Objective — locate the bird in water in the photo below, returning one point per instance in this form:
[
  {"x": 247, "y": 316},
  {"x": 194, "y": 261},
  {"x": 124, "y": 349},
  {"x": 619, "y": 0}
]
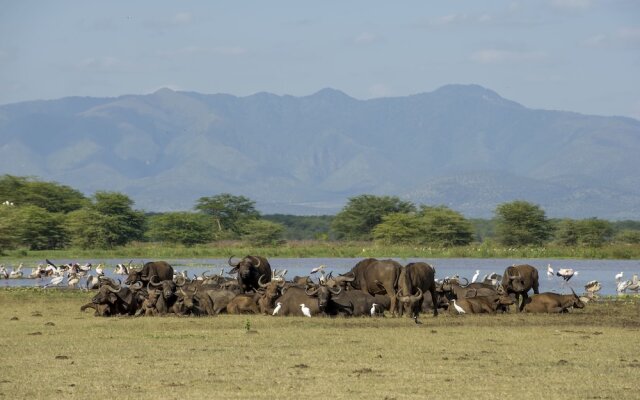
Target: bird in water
[
  {"x": 566, "y": 273},
  {"x": 619, "y": 276},
  {"x": 549, "y": 271},
  {"x": 305, "y": 310},
  {"x": 459, "y": 309},
  {"x": 277, "y": 309}
]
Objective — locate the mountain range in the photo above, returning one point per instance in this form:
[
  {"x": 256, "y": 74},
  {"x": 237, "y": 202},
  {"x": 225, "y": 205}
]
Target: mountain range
[{"x": 462, "y": 146}]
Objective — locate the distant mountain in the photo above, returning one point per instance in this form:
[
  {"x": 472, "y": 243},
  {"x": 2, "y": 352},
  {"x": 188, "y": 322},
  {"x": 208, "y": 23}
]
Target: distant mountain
[{"x": 461, "y": 145}]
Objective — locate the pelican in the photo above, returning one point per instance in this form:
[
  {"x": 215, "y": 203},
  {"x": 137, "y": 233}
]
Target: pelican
[
  {"x": 619, "y": 276},
  {"x": 566, "y": 273},
  {"x": 16, "y": 273},
  {"x": 55, "y": 281},
  {"x": 100, "y": 269},
  {"x": 459, "y": 309},
  {"x": 322, "y": 278},
  {"x": 305, "y": 310},
  {"x": 373, "y": 309},
  {"x": 73, "y": 280},
  {"x": 277, "y": 309},
  {"x": 592, "y": 287},
  {"x": 549, "y": 271},
  {"x": 475, "y": 276},
  {"x": 3, "y": 272},
  {"x": 93, "y": 282},
  {"x": 622, "y": 286}
]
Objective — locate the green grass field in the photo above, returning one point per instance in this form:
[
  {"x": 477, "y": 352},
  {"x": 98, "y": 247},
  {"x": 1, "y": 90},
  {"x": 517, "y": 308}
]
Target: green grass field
[{"x": 52, "y": 350}]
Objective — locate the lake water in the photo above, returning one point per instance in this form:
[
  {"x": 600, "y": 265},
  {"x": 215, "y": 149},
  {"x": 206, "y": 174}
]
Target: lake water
[{"x": 602, "y": 270}]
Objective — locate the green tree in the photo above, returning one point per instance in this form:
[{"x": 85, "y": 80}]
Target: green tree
[
  {"x": 594, "y": 232},
  {"x": 229, "y": 212},
  {"x": 260, "y": 232},
  {"x": 397, "y": 228},
  {"x": 50, "y": 196},
  {"x": 87, "y": 229},
  {"x": 8, "y": 235},
  {"x": 520, "y": 223},
  {"x": 629, "y": 236},
  {"x": 566, "y": 232},
  {"x": 444, "y": 226},
  {"x": 362, "y": 213},
  {"x": 180, "y": 227},
  {"x": 38, "y": 229}
]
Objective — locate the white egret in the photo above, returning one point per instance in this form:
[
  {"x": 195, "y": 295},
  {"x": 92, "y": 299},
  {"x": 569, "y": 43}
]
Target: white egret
[
  {"x": 475, "y": 276},
  {"x": 277, "y": 309},
  {"x": 549, "y": 271},
  {"x": 619, "y": 276},
  {"x": 459, "y": 309},
  {"x": 373, "y": 309},
  {"x": 305, "y": 310}
]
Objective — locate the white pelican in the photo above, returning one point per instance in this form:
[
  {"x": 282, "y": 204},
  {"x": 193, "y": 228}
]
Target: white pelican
[
  {"x": 55, "y": 281},
  {"x": 305, "y": 310},
  {"x": 100, "y": 269},
  {"x": 566, "y": 273}
]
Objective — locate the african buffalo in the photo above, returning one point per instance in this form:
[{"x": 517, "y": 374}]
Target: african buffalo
[
  {"x": 243, "y": 304},
  {"x": 269, "y": 292},
  {"x": 377, "y": 277},
  {"x": 416, "y": 277},
  {"x": 352, "y": 303},
  {"x": 315, "y": 297},
  {"x": 120, "y": 300},
  {"x": 553, "y": 302},
  {"x": 220, "y": 298},
  {"x": 519, "y": 279},
  {"x": 161, "y": 269},
  {"x": 249, "y": 270}
]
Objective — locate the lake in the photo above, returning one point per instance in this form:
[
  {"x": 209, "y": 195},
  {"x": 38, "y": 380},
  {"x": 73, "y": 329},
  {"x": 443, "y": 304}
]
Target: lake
[{"x": 602, "y": 270}]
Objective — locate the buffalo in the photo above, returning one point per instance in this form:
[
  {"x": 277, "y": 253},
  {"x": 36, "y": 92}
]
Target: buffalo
[
  {"x": 414, "y": 278},
  {"x": 377, "y": 277},
  {"x": 249, "y": 270},
  {"x": 553, "y": 303},
  {"x": 160, "y": 269},
  {"x": 519, "y": 279}
]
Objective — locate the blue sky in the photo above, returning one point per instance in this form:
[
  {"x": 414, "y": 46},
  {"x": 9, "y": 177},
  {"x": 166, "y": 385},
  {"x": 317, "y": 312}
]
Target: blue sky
[{"x": 574, "y": 55}]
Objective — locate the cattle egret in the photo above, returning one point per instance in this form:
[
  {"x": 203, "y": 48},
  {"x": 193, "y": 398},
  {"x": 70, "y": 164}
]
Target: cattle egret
[
  {"x": 277, "y": 309},
  {"x": 305, "y": 310},
  {"x": 566, "y": 273},
  {"x": 475, "y": 276},
  {"x": 619, "y": 276},
  {"x": 373, "y": 309},
  {"x": 459, "y": 309},
  {"x": 549, "y": 271}
]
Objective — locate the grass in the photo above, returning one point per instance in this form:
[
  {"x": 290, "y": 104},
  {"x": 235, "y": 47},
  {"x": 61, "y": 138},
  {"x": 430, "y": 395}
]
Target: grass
[
  {"x": 306, "y": 249},
  {"x": 52, "y": 350}
]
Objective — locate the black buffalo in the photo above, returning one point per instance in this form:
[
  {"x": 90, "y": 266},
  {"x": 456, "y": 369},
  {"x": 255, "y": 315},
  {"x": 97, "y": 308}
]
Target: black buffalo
[
  {"x": 377, "y": 277},
  {"x": 161, "y": 269},
  {"x": 414, "y": 278},
  {"x": 519, "y": 279},
  {"x": 249, "y": 270}
]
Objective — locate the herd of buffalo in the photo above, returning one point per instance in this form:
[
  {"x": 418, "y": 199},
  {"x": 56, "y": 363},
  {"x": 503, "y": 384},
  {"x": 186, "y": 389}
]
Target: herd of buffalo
[{"x": 369, "y": 289}]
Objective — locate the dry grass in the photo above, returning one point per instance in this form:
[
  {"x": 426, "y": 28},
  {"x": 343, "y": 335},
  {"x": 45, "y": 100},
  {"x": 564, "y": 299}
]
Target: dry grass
[{"x": 52, "y": 350}]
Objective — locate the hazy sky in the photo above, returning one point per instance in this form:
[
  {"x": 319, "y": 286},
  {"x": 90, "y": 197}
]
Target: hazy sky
[{"x": 575, "y": 55}]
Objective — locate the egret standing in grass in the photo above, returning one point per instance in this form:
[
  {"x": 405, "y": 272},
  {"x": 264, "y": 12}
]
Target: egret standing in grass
[
  {"x": 373, "y": 310},
  {"x": 305, "y": 310},
  {"x": 475, "y": 276},
  {"x": 277, "y": 309},
  {"x": 459, "y": 309}
]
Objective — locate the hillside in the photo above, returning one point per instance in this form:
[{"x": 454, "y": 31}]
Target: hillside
[{"x": 461, "y": 145}]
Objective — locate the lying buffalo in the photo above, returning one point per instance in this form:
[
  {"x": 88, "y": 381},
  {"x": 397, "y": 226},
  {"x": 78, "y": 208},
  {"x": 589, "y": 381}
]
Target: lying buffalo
[
  {"x": 160, "y": 269},
  {"x": 519, "y": 279},
  {"x": 249, "y": 270},
  {"x": 553, "y": 303}
]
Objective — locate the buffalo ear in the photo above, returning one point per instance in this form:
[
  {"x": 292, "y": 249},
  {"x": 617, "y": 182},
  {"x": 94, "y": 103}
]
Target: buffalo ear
[{"x": 233, "y": 271}]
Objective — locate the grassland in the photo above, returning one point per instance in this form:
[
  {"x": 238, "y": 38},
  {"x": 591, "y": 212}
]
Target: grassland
[
  {"x": 52, "y": 350},
  {"x": 305, "y": 249}
]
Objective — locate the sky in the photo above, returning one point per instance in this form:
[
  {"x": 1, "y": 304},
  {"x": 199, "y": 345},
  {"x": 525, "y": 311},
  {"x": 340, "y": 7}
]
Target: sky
[{"x": 570, "y": 55}]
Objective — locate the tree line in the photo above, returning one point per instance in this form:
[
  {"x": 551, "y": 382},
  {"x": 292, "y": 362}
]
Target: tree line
[{"x": 46, "y": 215}]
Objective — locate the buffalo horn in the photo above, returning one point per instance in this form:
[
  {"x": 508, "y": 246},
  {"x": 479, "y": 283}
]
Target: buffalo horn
[
  {"x": 232, "y": 264},
  {"x": 256, "y": 262},
  {"x": 153, "y": 283},
  {"x": 466, "y": 280},
  {"x": 335, "y": 290},
  {"x": 180, "y": 281},
  {"x": 311, "y": 293},
  {"x": 260, "y": 281},
  {"x": 136, "y": 286}
]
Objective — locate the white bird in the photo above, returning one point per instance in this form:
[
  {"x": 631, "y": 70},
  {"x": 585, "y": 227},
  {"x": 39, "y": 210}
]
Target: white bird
[
  {"x": 318, "y": 269},
  {"x": 475, "y": 276},
  {"x": 373, "y": 309},
  {"x": 100, "y": 269},
  {"x": 277, "y": 309},
  {"x": 16, "y": 273},
  {"x": 622, "y": 286},
  {"x": 459, "y": 309},
  {"x": 3, "y": 272},
  {"x": 566, "y": 273},
  {"x": 305, "y": 310},
  {"x": 549, "y": 271},
  {"x": 619, "y": 276},
  {"x": 73, "y": 280},
  {"x": 55, "y": 281}
]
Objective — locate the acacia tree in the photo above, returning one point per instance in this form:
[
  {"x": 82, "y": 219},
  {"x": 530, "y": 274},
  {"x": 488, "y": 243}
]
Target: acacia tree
[
  {"x": 397, "y": 228},
  {"x": 362, "y": 213},
  {"x": 261, "y": 232},
  {"x": 229, "y": 212},
  {"x": 180, "y": 227},
  {"x": 520, "y": 223},
  {"x": 444, "y": 226}
]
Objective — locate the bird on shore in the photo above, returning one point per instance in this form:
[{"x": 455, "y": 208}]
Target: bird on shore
[
  {"x": 277, "y": 309},
  {"x": 305, "y": 310},
  {"x": 373, "y": 310},
  {"x": 549, "y": 271},
  {"x": 475, "y": 276},
  {"x": 619, "y": 276},
  {"x": 100, "y": 269},
  {"x": 459, "y": 309},
  {"x": 55, "y": 281}
]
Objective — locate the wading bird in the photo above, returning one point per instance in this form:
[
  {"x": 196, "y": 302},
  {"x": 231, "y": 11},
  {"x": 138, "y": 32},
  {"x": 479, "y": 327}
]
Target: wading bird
[
  {"x": 305, "y": 310},
  {"x": 549, "y": 271},
  {"x": 475, "y": 276},
  {"x": 459, "y": 309},
  {"x": 619, "y": 276},
  {"x": 566, "y": 273},
  {"x": 373, "y": 309},
  {"x": 277, "y": 309},
  {"x": 55, "y": 281}
]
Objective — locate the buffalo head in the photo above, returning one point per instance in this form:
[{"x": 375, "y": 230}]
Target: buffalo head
[{"x": 323, "y": 292}]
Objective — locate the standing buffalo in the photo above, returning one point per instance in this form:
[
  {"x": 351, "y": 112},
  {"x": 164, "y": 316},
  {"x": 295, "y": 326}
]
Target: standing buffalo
[
  {"x": 160, "y": 269},
  {"x": 416, "y": 277},
  {"x": 249, "y": 270},
  {"x": 377, "y": 277},
  {"x": 519, "y": 279}
]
